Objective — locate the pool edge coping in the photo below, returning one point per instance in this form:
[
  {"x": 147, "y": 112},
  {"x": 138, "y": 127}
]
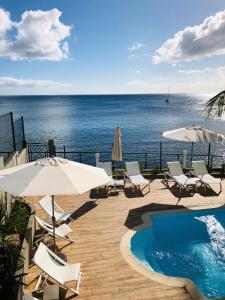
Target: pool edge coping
[{"x": 185, "y": 283}]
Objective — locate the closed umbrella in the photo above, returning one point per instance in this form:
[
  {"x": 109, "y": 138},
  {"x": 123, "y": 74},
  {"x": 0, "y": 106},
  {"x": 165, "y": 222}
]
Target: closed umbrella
[
  {"x": 117, "y": 146},
  {"x": 51, "y": 176},
  {"x": 195, "y": 134}
]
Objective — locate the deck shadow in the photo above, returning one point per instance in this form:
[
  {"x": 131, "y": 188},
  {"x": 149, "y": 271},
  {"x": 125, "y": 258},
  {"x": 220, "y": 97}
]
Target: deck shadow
[
  {"x": 134, "y": 216},
  {"x": 85, "y": 208},
  {"x": 98, "y": 194},
  {"x": 130, "y": 193},
  {"x": 208, "y": 192},
  {"x": 175, "y": 190}
]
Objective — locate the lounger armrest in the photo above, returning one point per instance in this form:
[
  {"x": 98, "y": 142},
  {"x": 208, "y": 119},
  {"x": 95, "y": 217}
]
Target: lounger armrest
[
  {"x": 58, "y": 259},
  {"x": 126, "y": 176},
  {"x": 58, "y": 207},
  {"x": 167, "y": 174},
  {"x": 76, "y": 290},
  {"x": 193, "y": 173}
]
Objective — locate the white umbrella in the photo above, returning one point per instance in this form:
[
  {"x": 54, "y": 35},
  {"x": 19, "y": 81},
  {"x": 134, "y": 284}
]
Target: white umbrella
[
  {"x": 117, "y": 147},
  {"x": 195, "y": 134},
  {"x": 51, "y": 176}
]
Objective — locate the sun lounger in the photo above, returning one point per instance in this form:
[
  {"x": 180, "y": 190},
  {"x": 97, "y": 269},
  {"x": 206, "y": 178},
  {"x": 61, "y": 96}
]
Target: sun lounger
[
  {"x": 107, "y": 166},
  {"x": 200, "y": 170},
  {"x": 56, "y": 268},
  {"x": 60, "y": 214},
  {"x": 133, "y": 175},
  {"x": 61, "y": 231},
  {"x": 176, "y": 174}
]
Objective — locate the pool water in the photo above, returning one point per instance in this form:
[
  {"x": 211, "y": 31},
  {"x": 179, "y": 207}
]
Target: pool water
[{"x": 188, "y": 244}]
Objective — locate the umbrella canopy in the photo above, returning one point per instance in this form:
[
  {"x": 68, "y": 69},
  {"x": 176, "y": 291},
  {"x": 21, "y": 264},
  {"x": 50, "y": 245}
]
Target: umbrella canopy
[
  {"x": 51, "y": 176},
  {"x": 117, "y": 147},
  {"x": 194, "y": 134}
]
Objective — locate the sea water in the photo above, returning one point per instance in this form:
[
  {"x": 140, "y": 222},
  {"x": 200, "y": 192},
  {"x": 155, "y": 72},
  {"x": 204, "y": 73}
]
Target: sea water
[{"x": 87, "y": 123}]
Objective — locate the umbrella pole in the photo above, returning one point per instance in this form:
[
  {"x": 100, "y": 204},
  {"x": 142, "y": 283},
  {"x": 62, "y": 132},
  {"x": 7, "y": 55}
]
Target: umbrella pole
[
  {"x": 53, "y": 221},
  {"x": 209, "y": 152},
  {"x": 192, "y": 146}
]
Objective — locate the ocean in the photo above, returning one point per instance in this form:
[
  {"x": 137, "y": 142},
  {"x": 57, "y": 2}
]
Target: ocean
[{"x": 87, "y": 123}]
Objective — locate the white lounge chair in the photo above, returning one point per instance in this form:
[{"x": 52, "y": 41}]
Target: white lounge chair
[
  {"x": 56, "y": 268},
  {"x": 134, "y": 176},
  {"x": 60, "y": 214},
  {"x": 200, "y": 170},
  {"x": 107, "y": 166},
  {"x": 61, "y": 231},
  {"x": 176, "y": 174}
]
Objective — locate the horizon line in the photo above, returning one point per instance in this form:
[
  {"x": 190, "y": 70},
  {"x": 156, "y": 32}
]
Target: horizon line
[{"x": 116, "y": 94}]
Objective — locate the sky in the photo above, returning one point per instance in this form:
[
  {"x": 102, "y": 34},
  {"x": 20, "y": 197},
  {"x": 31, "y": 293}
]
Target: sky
[{"x": 112, "y": 46}]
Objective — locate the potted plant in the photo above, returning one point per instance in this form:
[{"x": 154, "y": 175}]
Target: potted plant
[{"x": 12, "y": 229}]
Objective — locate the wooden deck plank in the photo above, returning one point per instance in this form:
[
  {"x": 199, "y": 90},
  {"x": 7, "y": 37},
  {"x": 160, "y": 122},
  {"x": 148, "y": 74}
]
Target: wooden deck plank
[{"x": 98, "y": 228}]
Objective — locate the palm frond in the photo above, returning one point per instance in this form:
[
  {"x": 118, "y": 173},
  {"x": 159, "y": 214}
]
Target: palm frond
[{"x": 215, "y": 107}]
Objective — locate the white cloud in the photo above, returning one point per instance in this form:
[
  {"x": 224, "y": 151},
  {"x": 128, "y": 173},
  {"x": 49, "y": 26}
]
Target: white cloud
[
  {"x": 30, "y": 83},
  {"x": 194, "y": 71},
  {"x": 195, "y": 42},
  {"x": 220, "y": 72},
  {"x": 38, "y": 35},
  {"x": 5, "y": 23},
  {"x": 138, "y": 72},
  {"x": 138, "y": 83},
  {"x": 132, "y": 55},
  {"x": 135, "y": 46}
]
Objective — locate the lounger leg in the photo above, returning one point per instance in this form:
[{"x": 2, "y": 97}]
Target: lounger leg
[
  {"x": 76, "y": 291},
  {"x": 71, "y": 220},
  {"x": 69, "y": 238},
  {"x": 37, "y": 286}
]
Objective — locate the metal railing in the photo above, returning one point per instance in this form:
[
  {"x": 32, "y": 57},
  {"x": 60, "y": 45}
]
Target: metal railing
[{"x": 147, "y": 160}]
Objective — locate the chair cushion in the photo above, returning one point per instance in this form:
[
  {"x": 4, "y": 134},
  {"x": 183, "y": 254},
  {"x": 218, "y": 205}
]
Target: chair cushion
[
  {"x": 138, "y": 180},
  {"x": 184, "y": 180},
  {"x": 115, "y": 182},
  {"x": 209, "y": 179}
]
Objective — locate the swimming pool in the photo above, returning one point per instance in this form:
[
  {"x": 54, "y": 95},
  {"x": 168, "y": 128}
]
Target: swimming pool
[{"x": 187, "y": 244}]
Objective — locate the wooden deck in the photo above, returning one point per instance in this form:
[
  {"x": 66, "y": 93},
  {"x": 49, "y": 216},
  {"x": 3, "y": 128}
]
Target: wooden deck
[{"x": 97, "y": 230}]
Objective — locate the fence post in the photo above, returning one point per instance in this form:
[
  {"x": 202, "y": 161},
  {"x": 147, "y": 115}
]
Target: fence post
[
  {"x": 64, "y": 151},
  {"x": 13, "y": 132},
  {"x": 80, "y": 156},
  {"x": 51, "y": 148},
  {"x": 160, "y": 157},
  {"x": 212, "y": 160},
  {"x": 24, "y": 143},
  {"x": 209, "y": 153},
  {"x": 146, "y": 158}
]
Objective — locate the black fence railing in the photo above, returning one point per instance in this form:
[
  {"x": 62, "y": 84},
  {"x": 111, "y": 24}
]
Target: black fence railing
[
  {"x": 12, "y": 135},
  {"x": 147, "y": 160}
]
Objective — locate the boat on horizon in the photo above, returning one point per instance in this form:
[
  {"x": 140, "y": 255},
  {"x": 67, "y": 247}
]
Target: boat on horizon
[{"x": 167, "y": 99}]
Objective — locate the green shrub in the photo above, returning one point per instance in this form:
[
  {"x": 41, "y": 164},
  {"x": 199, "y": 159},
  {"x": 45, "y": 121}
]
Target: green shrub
[{"x": 12, "y": 229}]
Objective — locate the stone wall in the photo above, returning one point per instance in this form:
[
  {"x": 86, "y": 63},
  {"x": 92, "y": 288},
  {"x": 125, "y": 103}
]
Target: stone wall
[{"x": 16, "y": 159}]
